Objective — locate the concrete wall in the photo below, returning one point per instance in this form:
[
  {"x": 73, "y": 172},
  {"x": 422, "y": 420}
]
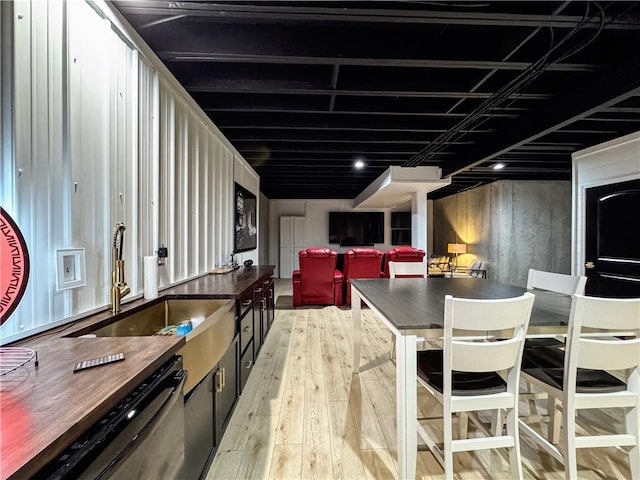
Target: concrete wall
[{"x": 512, "y": 225}]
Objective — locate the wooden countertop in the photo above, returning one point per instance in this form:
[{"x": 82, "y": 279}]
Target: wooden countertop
[
  {"x": 44, "y": 409},
  {"x": 226, "y": 285}
]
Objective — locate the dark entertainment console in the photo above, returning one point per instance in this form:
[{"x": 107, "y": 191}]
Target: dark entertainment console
[{"x": 210, "y": 404}]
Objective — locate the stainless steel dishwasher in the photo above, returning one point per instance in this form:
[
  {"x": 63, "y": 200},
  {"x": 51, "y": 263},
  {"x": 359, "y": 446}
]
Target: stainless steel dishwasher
[{"x": 141, "y": 437}]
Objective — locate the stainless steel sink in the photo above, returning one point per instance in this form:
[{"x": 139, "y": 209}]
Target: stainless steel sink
[{"x": 206, "y": 343}]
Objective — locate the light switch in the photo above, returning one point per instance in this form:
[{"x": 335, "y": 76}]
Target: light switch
[{"x": 69, "y": 266}]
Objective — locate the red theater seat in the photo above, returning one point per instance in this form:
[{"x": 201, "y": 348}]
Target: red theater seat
[
  {"x": 317, "y": 282},
  {"x": 360, "y": 263}
]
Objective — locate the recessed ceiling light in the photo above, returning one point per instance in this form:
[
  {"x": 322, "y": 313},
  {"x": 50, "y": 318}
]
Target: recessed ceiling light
[
  {"x": 498, "y": 166},
  {"x": 358, "y": 164}
]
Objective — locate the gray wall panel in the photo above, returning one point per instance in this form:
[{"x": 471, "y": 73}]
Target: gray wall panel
[{"x": 512, "y": 225}]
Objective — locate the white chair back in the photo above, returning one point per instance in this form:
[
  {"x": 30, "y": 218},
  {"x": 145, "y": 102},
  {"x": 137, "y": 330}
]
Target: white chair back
[
  {"x": 510, "y": 315},
  {"x": 556, "y": 282},
  {"x": 408, "y": 269},
  {"x": 615, "y": 315}
]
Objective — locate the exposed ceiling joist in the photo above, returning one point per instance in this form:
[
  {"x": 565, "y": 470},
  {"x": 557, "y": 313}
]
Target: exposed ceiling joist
[{"x": 309, "y": 14}]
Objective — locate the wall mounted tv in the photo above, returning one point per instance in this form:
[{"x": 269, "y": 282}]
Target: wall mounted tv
[{"x": 356, "y": 228}]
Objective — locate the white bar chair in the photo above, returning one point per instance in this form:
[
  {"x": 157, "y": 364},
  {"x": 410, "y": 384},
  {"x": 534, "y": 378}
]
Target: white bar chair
[
  {"x": 584, "y": 381},
  {"x": 464, "y": 376}
]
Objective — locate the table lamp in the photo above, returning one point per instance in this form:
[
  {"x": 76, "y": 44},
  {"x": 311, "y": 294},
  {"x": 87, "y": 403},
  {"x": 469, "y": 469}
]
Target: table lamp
[{"x": 457, "y": 249}]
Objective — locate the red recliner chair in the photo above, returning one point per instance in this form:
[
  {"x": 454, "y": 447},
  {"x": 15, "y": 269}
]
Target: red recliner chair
[
  {"x": 401, "y": 254},
  {"x": 360, "y": 263},
  {"x": 317, "y": 282}
]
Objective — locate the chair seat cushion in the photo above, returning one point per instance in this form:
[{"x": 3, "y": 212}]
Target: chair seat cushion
[
  {"x": 542, "y": 357},
  {"x": 588, "y": 381},
  {"x": 464, "y": 383},
  {"x": 543, "y": 343}
]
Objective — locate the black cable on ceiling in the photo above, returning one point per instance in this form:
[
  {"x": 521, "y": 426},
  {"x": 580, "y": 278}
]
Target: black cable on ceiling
[
  {"x": 516, "y": 86},
  {"x": 575, "y": 50}
]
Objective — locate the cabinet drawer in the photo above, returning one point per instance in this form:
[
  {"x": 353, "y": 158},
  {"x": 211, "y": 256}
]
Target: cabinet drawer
[
  {"x": 267, "y": 285},
  {"x": 257, "y": 291},
  {"x": 245, "y": 303},
  {"x": 246, "y": 365},
  {"x": 246, "y": 330}
]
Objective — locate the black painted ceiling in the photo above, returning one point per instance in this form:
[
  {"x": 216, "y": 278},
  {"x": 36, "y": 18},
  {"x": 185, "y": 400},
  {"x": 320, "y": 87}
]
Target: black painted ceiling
[{"x": 303, "y": 89}]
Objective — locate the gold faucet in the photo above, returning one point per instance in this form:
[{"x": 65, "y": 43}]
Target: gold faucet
[{"x": 119, "y": 287}]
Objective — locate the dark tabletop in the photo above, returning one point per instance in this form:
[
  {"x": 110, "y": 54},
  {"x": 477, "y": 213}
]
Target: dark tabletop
[{"x": 417, "y": 303}]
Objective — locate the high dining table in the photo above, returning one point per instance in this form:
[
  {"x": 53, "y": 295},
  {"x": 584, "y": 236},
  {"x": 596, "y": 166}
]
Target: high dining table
[{"x": 413, "y": 309}]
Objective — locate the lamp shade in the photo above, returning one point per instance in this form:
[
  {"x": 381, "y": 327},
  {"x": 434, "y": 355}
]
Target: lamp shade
[{"x": 456, "y": 248}]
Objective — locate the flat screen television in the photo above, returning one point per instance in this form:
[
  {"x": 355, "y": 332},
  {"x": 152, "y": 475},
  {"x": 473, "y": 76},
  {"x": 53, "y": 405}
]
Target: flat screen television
[{"x": 356, "y": 228}]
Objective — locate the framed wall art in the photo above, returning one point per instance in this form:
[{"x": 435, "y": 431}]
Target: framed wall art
[{"x": 245, "y": 219}]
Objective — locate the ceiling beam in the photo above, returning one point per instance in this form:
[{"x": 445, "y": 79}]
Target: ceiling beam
[
  {"x": 211, "y": 57},
  {"x": 267, "y": 13},
  {"x": 348, "y": 112},
  {"x": 335, "y": 135},
  {"x": 258, "y": 88}
]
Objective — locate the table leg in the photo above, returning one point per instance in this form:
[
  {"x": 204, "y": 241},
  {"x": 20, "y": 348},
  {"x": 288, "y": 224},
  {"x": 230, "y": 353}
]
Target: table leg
[
  {"x": 356, "y": 319},
  {"x": 407, "y": 410}
]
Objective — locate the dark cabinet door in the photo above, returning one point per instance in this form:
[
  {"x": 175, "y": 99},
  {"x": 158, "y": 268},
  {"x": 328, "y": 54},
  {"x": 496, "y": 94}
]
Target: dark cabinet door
[
  {"x": 265, "y": 317},
  {"x": 226, "y": 382},
  {"x": 257, "y": 322},
  {"x": 270, "y": 303},
  {"x": 199, "y": 427}
]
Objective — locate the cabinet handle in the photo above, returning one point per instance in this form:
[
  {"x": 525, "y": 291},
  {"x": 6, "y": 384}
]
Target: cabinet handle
[
  {"x": 248, "y": 364},
  {"x": 247, "y": 303},
  {"x": 263, "y": 304},
  {"x": 219, "y": 385},
  {"x": 246, "y": 329},
  {"x": 258, "y": 290},
  {"x": 224, "y": 377}
]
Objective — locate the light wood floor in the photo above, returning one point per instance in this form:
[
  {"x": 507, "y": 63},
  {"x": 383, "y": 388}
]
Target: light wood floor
[{"x": 303, "y": 415}]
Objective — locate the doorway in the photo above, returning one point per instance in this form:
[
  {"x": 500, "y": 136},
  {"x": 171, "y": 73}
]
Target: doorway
[{"x": 612, "y": 243}]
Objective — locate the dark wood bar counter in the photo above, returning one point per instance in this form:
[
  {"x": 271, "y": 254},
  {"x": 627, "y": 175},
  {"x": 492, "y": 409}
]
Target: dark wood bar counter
[{"x": 44, "y": 409}]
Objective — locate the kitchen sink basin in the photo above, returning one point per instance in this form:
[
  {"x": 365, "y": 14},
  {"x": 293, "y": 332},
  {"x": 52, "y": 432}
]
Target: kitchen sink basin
[
  {"x": 213, "y": 330},
  {"x": 156, "y": 317}
]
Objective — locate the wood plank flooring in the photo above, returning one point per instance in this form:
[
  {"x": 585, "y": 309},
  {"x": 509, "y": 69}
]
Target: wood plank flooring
[{"x": 303, "y": 415}]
